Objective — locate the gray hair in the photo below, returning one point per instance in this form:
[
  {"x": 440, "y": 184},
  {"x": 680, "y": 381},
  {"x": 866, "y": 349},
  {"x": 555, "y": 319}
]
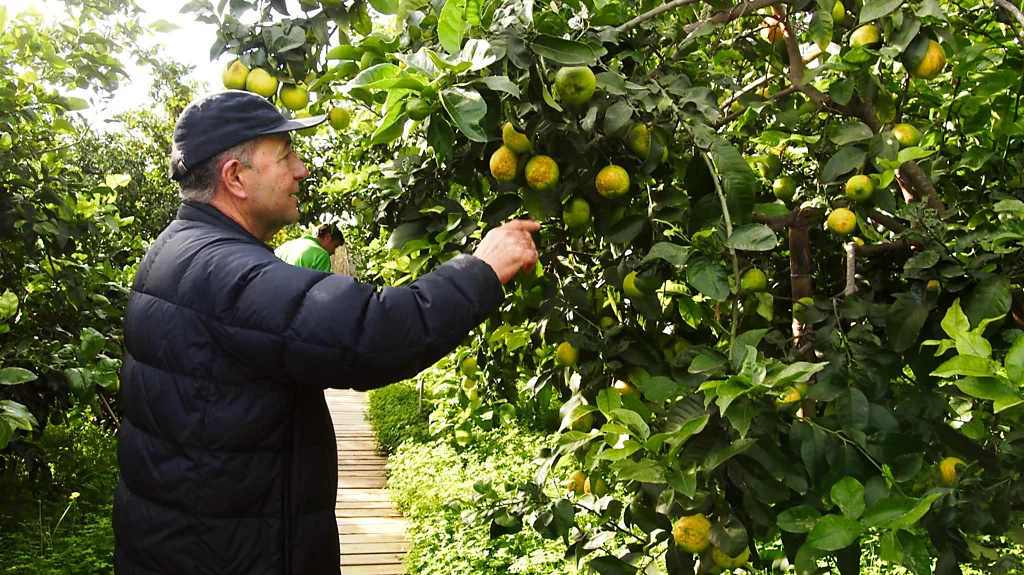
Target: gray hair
[{"x": 200, "y": 182}]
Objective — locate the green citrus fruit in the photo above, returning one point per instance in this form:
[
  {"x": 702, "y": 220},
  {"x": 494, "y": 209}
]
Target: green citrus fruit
[
  {"x": 753, "y": 280},
  {"x": 576, "y": 482},
  {"x": 607, "y": 321},
  {"x": 612, "y": 181},
  {"x": 503, "y": 165},
  {"x": 885, "y": 108},
  {"x": 513, "y": 140},
  {"x": 417, "y": 109},
  {"x": 948, "y": 469},
  {"x": 629, "y": 288},
  {"x": 691, "y": 533},
  {"x": 907, "y": 135},
  {"x": 234, "y": 75},
  {"x": 541, "y": 173},
  {"x": 770, "y": 167},
  {"x": 924, "y": 58},
  {"x": 584, "y": 423},
  {"x": 294, "y": 96},
  {"x": 784, "y": 188},
  {"x": 575, "y": 84},
  {"x": 348, "y": 70},
  {"x": 576, "y": 214},
  {"x": 307, "y": 131},
  {"x": 369, "y": 58},
  {"x": 726, "y": 562},
  {"x": 859, "y": 188},
  {"x": 566, "y": 355},
  {"x": 469, "y": 366},
  {"x": 639, "y": 142},
  {"x": 596, "y": 486},
  {"x": 838, "y": 13},
  {"x": 800, "y": 308},
  {"x": 625, "y": 388},
  {"x": 259, "y": 81},
  {"x": 791, "y": 394},
  {"x": 867, "y": 36},
  {"x": 339, "y": 118},
  {"x": 842, "y": 221}
]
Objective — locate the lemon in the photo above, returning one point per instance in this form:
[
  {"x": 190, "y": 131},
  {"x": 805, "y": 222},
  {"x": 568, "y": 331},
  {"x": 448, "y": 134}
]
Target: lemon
[
  {"x": 838, "y": 13},
  {"x": 234, "y": 75},
  {"x": 607, "y": 321},
  {"x": 784, "y": 188},
  {"x": 596, "y": 486},
  {"x": 629, "y": 288},
  {"x": 576, "y": 214},
  {"x": 772, "y": 30},
  {"x": 612, "y": 181},
  {"x": 584, "y": 423},
  {"x": 933, "y": 285},
  {"x": 566, "y": 355},
  {"x": 842, "y": 221},
  {"x": 800, "y": 308},
  {"x": 867, "y": 36},
  {"x": 541, "y": 173},
  {"x": 503, "y": 165},
  {"x": 924, "y": 58},
  {"x": 726, "y": 562},
  {"x": 307, "y": 131},
  {"x": 907, "y": 135},
  {"x": 513, "y": 140},
  {"x": 339, "y": 118},
  {"x": 770, "y": 167},
  {"x": 259, "y": 81},
  {"x": 577, "y": 481},
  {"x": 294, "y": 96},
  {"x": 859, "y": 188},
  {"x": 691, "y": 533},
  {"x": 948, "y": 469},
  {"x": 753, "y": 280},
  {"x": 417, "y": 109},
  {"x": 625, "y": 388},
  {"x": 575, "y": 84},
  {"x": 469, "y": 366}
]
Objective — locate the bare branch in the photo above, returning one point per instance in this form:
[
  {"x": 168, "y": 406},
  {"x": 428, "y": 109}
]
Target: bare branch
[
  {"x": 851, "y": 269},
  {"x": 922, "y": 185},
  {"x": 654, "y": 13},
  {"x": 1011, "y": 10},
  {"x": 890, "y": 223},
  {"x": 882, "y": 248},
  {"x": 785, "y": 220},
  {"x": 733, "y": 13}
]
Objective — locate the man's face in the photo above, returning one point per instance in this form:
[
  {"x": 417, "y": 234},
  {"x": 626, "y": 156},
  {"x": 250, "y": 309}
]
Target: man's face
[{"x": 273, "y": 183}]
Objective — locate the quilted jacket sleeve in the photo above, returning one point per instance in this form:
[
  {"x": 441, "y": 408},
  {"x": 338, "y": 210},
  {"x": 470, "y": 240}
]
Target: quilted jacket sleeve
[{"x": 348, "y": 334}]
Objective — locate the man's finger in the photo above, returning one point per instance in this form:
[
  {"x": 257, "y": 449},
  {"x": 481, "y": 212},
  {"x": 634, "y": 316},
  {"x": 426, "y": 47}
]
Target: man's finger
[{"x": 523, "y": 225}]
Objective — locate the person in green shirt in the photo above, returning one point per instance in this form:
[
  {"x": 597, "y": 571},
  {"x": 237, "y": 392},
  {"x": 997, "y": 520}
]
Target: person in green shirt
[{"x": 313, "y": 252}]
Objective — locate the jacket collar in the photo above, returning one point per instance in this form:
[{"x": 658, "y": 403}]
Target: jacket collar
[{"x": 207, "y": 214}]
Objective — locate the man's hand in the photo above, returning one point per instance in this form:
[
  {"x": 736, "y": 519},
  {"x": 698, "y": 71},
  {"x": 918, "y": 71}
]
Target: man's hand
[{"x": 509, "y": 248}]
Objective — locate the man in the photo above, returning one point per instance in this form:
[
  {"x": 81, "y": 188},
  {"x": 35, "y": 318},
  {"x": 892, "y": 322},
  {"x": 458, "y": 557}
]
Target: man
[
  {"x": 313, "y": 252},
  {"x": 227, "y": 450}
]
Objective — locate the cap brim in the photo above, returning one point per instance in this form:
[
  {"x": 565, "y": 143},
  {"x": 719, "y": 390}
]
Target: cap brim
[{"x": 297, "y": 124}]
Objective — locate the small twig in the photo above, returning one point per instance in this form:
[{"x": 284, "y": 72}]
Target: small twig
[
  {"x": 1011, "y": 10},
  {"x": 654, "y": 13},
  {"x": 889, "y": 223},
  {"x": 732, "y": 251},
  {"x": 733, "y": 13},
  {"x": 110, "y": 412},
  {"x": 851, "y": 269}
]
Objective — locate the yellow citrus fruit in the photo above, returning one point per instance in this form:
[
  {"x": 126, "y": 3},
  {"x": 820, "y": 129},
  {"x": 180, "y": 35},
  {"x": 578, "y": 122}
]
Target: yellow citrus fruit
[
  {"x": 867, "y": 36},
  {"x": 691, "y": 533},
  {"x": 612, "y": 181},
  {"x": 770, "y": 167},
  {"x": 541, "y": 173},
  {"x": 842, "y": 221},
  {"x": 791, "y": 394},
  {"x": 577, "y": 481},
  {"x": 596, "y": 486},
  {"x": 859, "y": 188},
  {"x": 576, "y": 214},
  {"x": 924, "y": 58},
  {"x": 933, "y": 285},
  {"x": 625, "y": 388},
  {"x": 339, "y": 118},
  {"x": 575, "y": 84},
  {"x": 234, "y": 75},
  {"x": 726, "y": 562},
  {"x": 948, "y": 469},
  {"x": 503, "y": 165},
  {"x": 607, "y": 321},
  {"x": 259, "y": 81},
  {"x": 629, "y": 288},
  {"x": 513, "y": 140},
  {"x": 307, "y": 131},
  {"x": 907, "y": 135},
  {"x": 417, "y": 109},
  {"x": 772, "y": 30},
  {"x": 800, "y": 308},
  {"x": 753, "y": 280},
  {"x": 784, "y": 188},
  {"x": 294, "y": 96},
  {"x": 838, "y": 13},
  {"x": 469, "y": 366},
  {"x": 473, "y": 394},
  {"x": 639, "y": 142},
  {"x": 584, "y": 423},
  {"x": 566, "y": 355}
]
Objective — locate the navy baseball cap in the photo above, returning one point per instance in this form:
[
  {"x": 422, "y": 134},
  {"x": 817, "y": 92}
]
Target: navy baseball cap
[{"x": 219, "y": 121}]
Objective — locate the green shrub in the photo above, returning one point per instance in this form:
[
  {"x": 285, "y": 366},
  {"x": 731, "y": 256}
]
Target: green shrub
[
  {"x": 432, "y": 483},
  {"x": 394, "y": 415}
]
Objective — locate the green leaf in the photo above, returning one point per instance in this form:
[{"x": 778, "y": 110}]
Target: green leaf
[
  {"x": 833, "y": 532},
  {"x": 79, "y": 381},
  {"x": 92, "y": 343},
  {"x": 965, "y": 365},
  {"x": 616, "y": 117},
  {"x": 851, "y": 132},
  {"x": 1009, "y": 206},
  {"x": 903, "y": 322},
  {"x": 163, "y": 26},
  {"x": 708, "y": 277},
  {"x": 658, "y": 388},
  {"x": 955, "y": 322},
  {"x": 738, "y": 181},
  {"x": 16, "y": 376},
  {"x": 473, "y": 9},
  {"x": 498, "y": 84},
  {"x": 17, "y": 415},
  {"x": 990, "y": 298},
  {"x": 9, "y": 303},
  {"x": 848, "y": 494},
  {"x": 845, "y": 160},
  {"x": 821, "y": 28},
  {"x": 719, "y": 457},
  {"x": 684, "y": 482},
  {"x": 644, "y": 470},
  {"x": 608, "y": 565},
  {"x": 478, "y": 53},
  {"x": 373, "y": 75},
  {"x": 451, "y": 25},
  {"x": 875, "y": 9},
  {"x": 853, "y": 409},
  {"x": 753, "y": 237},
  {"x": 916, "y": 513},
  {"x": 633, "y": 421},
  {"x": 391, "y": 126},
  {"x": 500, "y": 208},
  {"x": 466, "y": 108},
  {"x": 671, "y": 253},
  {"x": 886, "y": 511},
  {"x": 563, "y": 51},
  {"x": 608, "y": 400},
  {"x": 612, "y": 82},
  {"x": 6, "y": 432},
  {"x": 799, "y": 519},
  {"x": 385, "y": 6},
  {"x": 741, "y": 412},
  {"x": 1015, "y": 362},
  {"x": 626, "y": 229},
  {"x": 991, "y": 388},
  {"x": 440, "y": 135}
]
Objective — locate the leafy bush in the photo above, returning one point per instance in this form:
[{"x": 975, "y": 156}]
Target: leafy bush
[
  {"x": 394, "y": 415},
  {"x": 432, "y": 483}
]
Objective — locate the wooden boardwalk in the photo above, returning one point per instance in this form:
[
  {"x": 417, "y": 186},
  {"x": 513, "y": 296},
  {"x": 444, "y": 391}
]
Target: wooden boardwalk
[{"x": 372, "y": 532}]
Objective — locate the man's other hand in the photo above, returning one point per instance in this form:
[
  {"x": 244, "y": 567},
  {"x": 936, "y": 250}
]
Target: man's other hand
[{"x": 509, "y": 248}]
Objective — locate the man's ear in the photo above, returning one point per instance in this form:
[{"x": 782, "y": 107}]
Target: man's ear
[{"x": 232, "y": 177}]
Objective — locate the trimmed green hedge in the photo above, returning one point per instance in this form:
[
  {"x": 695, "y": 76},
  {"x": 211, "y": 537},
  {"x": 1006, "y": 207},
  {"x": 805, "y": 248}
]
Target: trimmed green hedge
[{"x": 394, "y": 416}]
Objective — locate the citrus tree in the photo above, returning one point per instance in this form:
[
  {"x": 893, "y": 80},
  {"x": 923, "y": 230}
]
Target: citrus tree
[{"x": 778, "y": 320}]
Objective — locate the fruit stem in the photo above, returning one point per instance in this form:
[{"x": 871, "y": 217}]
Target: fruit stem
[{"x": 732, "y": 251}]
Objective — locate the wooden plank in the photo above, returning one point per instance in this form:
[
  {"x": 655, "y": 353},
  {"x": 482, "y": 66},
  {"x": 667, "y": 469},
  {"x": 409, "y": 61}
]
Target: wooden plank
[
  {"x": 362, "y": 482},
  {"x": 373, "y": 570},
  {"x": 385, "y": 547},
  {"x": 365, "y": 505},
  {"x": 372, "y": 559},
  {"x": 365, "y": 538},
  {"x": 363, "y": 495},
  {"x": 348, "y": 513},
  {"x": 354, "y": 525},
  {"x": 362, "y": 473}
]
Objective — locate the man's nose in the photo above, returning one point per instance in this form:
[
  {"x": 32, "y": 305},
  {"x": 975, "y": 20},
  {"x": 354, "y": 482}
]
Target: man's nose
[{"x": 303, "y": 172}]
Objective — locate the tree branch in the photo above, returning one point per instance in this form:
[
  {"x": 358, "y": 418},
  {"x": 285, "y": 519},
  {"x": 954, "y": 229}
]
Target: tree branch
[
  {"x": 1011, "y": 10},
  {"x": 890, "y": 223},
  {"x": 654, "y": 13},
  {"x": 731, "y": 14},
  {"x": 785, "y": 220},
  {"x": 882, "y": 248},
  {"x": 851, "y": 269},
  {"x": 922, "y": 185}
]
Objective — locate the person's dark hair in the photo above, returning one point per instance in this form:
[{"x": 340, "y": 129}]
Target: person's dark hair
[{"x": 332, "y": 230}]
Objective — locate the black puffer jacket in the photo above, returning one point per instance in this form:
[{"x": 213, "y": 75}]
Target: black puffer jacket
[{"x": 227, "y": 451}]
